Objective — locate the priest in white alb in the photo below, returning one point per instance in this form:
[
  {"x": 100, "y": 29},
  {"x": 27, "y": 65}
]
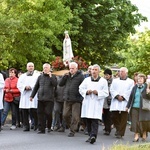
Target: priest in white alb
[
  {"x": 94, "y": 90},
  {"x": 25, "y": 85},
  {"x": 120, "y": 90}
]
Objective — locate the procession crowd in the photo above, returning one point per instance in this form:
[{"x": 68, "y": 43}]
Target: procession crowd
[{"x": 75, "y": 100}]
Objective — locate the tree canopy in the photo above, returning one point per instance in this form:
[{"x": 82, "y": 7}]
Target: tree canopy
[
  {"x": 28, "y": 29},
  {"x": 104, "y": 28},
  {"x": 32, "y": 30},
  {"x": 138, "y": 54}
]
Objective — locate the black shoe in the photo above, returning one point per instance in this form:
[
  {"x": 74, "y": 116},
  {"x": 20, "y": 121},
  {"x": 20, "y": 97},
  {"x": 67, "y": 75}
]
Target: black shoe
[
  {"x": 93, "y": 139},
  {"x": 35, "y": 128},
  {"x": 32, "y": 126},
  {"x": 18, "y": 125},
  {"x": 70, "y": 134},
  {"x": 106, "y": 133},
  {"x": 49, "y": 130},
  {"x": 21, "y": 125},
  {"x": 26, "y": 129},
  {"x": 41, "y": 132},
  {"x": 88, "y": 140}
]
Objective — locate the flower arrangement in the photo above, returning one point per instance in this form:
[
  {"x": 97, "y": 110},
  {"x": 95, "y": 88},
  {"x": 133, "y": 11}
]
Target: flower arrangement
[
  {"x": 81, "y": 62},
  {"x": 58, "y": 63}
]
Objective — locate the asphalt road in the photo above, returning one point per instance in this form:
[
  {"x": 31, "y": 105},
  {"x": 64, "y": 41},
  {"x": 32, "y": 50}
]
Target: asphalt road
[{"x": 19, "y": 140}]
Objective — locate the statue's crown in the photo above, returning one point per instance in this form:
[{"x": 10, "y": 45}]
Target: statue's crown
[{"x": 66, "y": 32}]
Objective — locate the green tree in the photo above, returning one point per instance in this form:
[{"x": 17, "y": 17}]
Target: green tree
[
  {"x": 138, "y": 54},
  {"x": 103, "y": 27},
  {"x": 31, "y": 30},
  {"x": 28, "y": 29}
]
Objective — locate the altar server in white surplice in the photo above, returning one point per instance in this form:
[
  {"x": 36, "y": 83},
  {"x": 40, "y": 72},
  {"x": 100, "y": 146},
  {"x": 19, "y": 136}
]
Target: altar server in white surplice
[
  {"x": 120, "y": 91},
  {"x": 94, "y": 90},
  {"x": 25, "y": 85}
]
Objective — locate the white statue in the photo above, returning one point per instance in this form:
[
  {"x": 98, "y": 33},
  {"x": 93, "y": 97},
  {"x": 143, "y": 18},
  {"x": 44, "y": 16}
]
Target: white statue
[{"x": 67, "y": 49}]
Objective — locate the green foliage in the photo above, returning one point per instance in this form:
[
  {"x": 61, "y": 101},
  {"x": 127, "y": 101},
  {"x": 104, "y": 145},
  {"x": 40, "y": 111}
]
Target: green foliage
[
  {"x": 138, "y": 54},
  {"x": 32, "y": 30},
  {"x": 129, "y": 147},
  {"x": 103, "y": 28},
  {"x": 28, "y": 30}
]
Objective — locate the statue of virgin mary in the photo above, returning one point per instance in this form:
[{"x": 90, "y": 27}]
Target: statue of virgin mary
[{"x": 67, "y": 49}]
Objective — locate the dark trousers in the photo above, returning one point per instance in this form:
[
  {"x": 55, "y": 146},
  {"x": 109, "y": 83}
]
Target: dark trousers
[
  {"x": 58, "y": 112},
  {"x": 119, "y": 119},
  {"x": 92, "y": 127},
  {"x": 26, "y": 114},
  {"x": 107, "y": 119},
  {"x": 45, "y": 109},
  {"x": 21, "y": 115},
  {"x": 17, "y": 114},
  {"x": 71, "y": 115}
]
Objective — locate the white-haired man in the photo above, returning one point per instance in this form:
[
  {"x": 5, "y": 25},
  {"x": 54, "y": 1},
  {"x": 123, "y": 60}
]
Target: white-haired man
[
  {"x": 25, "y": 85},
  {"x": 94, "y": 90},
  {"x": 44, "y": 86},
  {"x": 72, "y": 97},
  {"x": 120, "y": 91}
]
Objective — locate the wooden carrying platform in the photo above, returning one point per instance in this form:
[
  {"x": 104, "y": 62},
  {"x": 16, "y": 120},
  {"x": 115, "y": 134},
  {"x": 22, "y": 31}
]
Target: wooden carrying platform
[{"x": 60, "y": 72}]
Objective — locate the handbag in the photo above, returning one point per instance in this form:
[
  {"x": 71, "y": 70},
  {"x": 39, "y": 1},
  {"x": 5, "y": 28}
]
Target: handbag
[
  {"x": 146, "y": 104},
  {"x": 16, "y": 100}
]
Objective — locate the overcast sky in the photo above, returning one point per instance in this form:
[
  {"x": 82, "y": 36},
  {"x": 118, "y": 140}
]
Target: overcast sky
[{"x": 144, "y": 9}]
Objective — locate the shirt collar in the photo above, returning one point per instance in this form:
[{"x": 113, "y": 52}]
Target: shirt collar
[
  {"x": 95, "y": 80},
  {"x": 29, "y": 73},
  {"x": 124, "y": 78},
  {"x": 140, "y": 86}
]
